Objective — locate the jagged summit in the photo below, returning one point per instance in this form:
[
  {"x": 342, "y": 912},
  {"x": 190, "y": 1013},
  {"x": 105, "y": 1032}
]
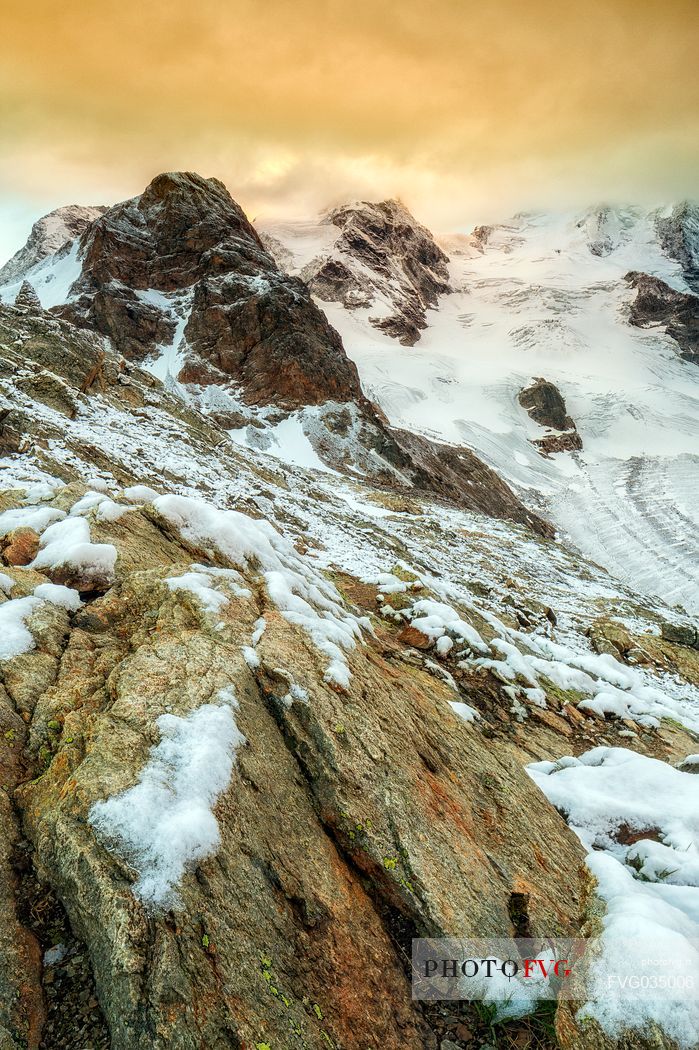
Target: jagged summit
[
  {"x": 380, "y": 259},
  {"x": 180, "y": 269}
]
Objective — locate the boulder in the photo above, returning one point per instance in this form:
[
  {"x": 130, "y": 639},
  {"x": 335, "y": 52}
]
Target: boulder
[{"x": 546, "y": 406}]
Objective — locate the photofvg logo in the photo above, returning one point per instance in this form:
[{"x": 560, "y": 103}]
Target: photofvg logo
[{"x": 506, "y": 969}]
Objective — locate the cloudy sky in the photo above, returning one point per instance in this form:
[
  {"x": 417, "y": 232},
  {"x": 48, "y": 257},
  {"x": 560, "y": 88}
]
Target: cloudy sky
[{"x": 467, "y": 110}]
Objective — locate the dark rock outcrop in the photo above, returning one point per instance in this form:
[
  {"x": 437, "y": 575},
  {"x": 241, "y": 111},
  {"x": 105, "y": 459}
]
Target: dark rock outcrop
[
  {"x": 681, "y": 634},
  {"x": 48, "y": 235},
  {"x": 457, "y": 474},
  {"x": 679, "y": 235},
  {"x": 656, "y": 303},
  {"x": 184, "y": 250},
  {"x": 382, "y": 254},
  {"x": 546, "y": 405}
]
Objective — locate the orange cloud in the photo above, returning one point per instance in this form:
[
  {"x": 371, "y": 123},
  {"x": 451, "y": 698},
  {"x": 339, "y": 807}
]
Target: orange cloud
[{"x": 453, "y": 104}]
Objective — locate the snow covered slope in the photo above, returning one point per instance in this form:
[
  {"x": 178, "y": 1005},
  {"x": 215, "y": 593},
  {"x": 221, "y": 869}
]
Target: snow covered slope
[
  {"x": 545, "y": 296},
  {"x": 48, "y": 235}
]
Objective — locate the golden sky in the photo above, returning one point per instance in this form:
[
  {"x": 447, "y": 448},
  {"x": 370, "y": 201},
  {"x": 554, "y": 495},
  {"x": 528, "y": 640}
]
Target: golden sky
[{"x": 466, "y": 109}]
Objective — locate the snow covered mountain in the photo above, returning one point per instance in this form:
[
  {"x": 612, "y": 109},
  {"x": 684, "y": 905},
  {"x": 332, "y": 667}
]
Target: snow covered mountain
[
  {"x": 180, "y": 282},
  {"x": 547, "y": 297},
  {"x": 263, "y": 722},
  {"x": 448, "y": 339},
  {"x": 48, "y": 235}
]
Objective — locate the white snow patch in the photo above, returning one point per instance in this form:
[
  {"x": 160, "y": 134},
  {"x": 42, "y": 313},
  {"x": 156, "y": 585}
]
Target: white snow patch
[
  {"x": 87, "y": 502},
  {"x": 464, "y": 711},
  {"x": 57, "y": 594},
  {"x": 165, "y": 823},
  {"x": 110, "y": 511},
  {"x": 140, "y": 494},
  {"x": 301, "y": 593},
  {"x": 67, "y": 544},
  {"x": 15, "y": 638},
  {"x": 37, "y": 518},
  {"x": 250, "y": 656},
  {"x": 437, "y": 619},
  {"x": 97, "y": 484},
  {"x": 199, "y": 584},
  {"x": 650, "y": 888}
]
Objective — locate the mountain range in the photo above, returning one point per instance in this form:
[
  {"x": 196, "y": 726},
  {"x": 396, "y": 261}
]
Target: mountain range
[{"x": 347, "y": 596}]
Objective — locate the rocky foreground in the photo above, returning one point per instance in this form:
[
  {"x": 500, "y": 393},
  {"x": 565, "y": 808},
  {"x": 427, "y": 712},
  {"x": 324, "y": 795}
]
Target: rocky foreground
[{"x": 262, "y": 726}]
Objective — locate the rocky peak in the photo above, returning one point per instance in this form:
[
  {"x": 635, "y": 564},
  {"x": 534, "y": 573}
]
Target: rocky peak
[
  {"x": 180, "y": 272},
  {"x": 48, "y": 235},
  {"x": 657, "y": 303},
  {"x": 181, "y": 228},
  {"x": 384, "y": 257}
]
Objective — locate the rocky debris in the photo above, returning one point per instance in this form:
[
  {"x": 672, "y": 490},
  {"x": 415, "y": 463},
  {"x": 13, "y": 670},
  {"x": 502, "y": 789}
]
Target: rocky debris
[
  {"x": 546, "y": 406},
  {"x": 382, "y": 256},
  {"x": 681, "y": 634},
  {"x": 570, "y": 441},
  {"x": 679, "y": 235},
  {"x": 656, "y": 303},
  {"x": 26, "y": 298},
  {"x": 48, "y": 235}
]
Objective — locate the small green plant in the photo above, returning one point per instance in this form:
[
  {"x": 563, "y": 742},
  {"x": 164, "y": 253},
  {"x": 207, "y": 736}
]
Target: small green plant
[
  {"x": 317, "y": 1011},
  {"x": 389, "y": 863}
]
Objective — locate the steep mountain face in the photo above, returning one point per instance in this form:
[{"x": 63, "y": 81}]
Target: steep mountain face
[
  {"x": 379, "y": 259},
  {"x": 657, "y": 303},
  {"x": 178, "y": 280},
  {"x": 546, "y": 295},
  {"x": 48, "y": 235},
  {"x": 181, "y": 267},
  {"x": 261, "y": 726}
]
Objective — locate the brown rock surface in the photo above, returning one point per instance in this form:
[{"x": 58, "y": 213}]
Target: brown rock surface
[
  {"x": 656, "y": 303},
  {"x": 382, "y": 252},
  {"x": 245, "y": 320},
  {"x": 19, "y": 547},
  {"x": 384, "y": 828}
]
